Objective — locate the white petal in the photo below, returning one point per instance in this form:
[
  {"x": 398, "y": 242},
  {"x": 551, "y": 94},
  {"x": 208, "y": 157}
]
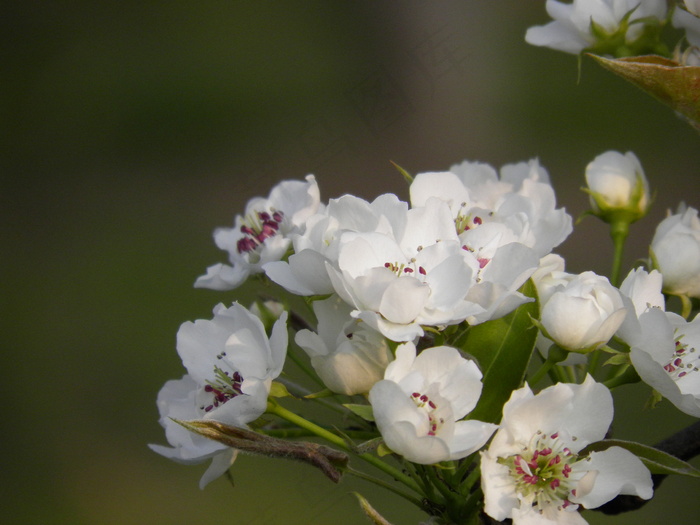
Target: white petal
[
  {"x": 500, "y": 498},
  {"x": 618, "y": 472},
  {"x": 219, "y": 464}
]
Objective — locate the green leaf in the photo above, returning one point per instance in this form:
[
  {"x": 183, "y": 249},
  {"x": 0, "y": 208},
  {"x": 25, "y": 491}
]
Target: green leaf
[
  {"x": 656, "y": 461},
  {"x": 503, "y": 348},
  {"x": 672, "y": 83},
  {"x": 364, "y": 411}
]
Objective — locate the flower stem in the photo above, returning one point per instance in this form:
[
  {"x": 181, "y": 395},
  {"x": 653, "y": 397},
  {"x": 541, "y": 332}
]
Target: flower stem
[
  {"x": 628, "y": 376},
  {"x": 388, "y": 486},
  {"x": 275, "y": 408},
  {"x": 686, "y": 306},
  {"x": 618, "y": 231},
  {"x": 556, "y": 355}
]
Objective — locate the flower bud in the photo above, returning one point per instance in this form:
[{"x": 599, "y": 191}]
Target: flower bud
[
  {"x": 675, "y": 252},
  {"x": 617, "y": 186},
  {"x": 348, "y": 355},
  {"x": 581, "y": 312}
]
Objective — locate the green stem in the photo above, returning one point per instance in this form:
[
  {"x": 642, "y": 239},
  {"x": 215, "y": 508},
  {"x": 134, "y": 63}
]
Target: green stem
[
  {"x": 462, "y": 469},
  {"x": 556, "y": 355},
  {"x": 472, "y": 478},
  {"x": 439, "y": 483},
  {"x": 292, "y": 433},
  {"x": 686, "y": 306},
  {"x": 305, "y": 368},
  {"x": 275, "y": 408},
  {"x": 618, "y": 232},
  {"x": 388, "y": 486},
  {"x": 417, "y": 472},
  {"x": 629, "y": 375}
]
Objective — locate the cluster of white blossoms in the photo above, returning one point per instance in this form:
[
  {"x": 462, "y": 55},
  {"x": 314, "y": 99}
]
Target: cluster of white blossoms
[
  {"x": 389, "y": 281},
  {"x": 427, "y": 320},
  {"x": 618, "y": 27}
]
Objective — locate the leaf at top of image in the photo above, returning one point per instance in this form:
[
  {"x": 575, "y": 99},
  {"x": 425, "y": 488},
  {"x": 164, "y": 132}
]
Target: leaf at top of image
[{"x": 671, "y": 82}]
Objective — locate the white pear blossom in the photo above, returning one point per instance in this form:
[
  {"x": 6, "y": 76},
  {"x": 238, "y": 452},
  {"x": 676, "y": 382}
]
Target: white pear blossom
[
  {"x": 490, "y": 212},
  {"x": 398, "y": 283},
  {"x": 262, "y": 234},
  {"x": 616, "y": 183},
  {"x": 571, "y": 28},
  {"x": 533, "y": 472},
  {"x": 667, "y": 357},
  {"x": 675, "y": 251},
  {"x": 420, "y": 403},
  {"x": 688, "y": 19},
  {"x": 579, "y": 312},
  {"x": 641, "y": 290},
  {"x": 548, "y": 276},
  {"x": 230, "y": 366},
  {"x": 348, "y": 355},
  {"x": 305, "y": 271}
]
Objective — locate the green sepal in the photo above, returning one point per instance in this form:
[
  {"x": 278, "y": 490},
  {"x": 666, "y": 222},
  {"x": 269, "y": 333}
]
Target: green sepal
[
  {"x": 657, "y": 461},
  {"x": 277, "y": 389},
  {"x": 502, "y": 348},
  {"x": 364, "y": 411},
  {"x": 383, "y": 450},
  {"x": 322, "y": 393},
  {"x": 654, "y": 399},
  {"x": 370, "y": 512},
  {"x": 406, "y": 175}
]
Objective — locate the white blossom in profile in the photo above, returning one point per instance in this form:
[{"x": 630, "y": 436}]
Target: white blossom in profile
[
  {"x": 667, "y": 357},
  {"x": 262, "y": 234},
  {"x": 675, "y": 252},
  {"x": 230, "y": 364},
  {"x": 571, "y": 27},
  {"x": 348, "y": 355},
  {"x": 641, "y": 290}
]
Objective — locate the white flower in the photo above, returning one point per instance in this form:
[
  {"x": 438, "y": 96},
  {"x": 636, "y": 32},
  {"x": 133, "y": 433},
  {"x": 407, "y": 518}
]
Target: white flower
[
  {"x": 667, "y": 358},
  {"x": 419, "y": 405},
  {"x": 690, "y": 22},
  {"x": 348, "y": 356},
  {"x": 689, "y": 19},
  {"x": 532, "y": 471},
  {"x": 641, "y": 290},
  {"x": 616, "y": 183},
  {"x": 570, "y": 31},
  {"x": 262, "y": 234},
  {"x": 693, "y": 6},
  {"x": 231, "y": 364},
  {"x": 490, "y": 212},
  {"x": 580, "y": 312},
  {"x": 397, "y": 282},
  {"x": 305, "y": 272},
  {"x": 177, "y": 399},
  {"x": 675, "y": 251}
]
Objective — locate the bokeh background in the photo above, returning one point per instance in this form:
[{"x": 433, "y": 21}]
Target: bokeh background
[{"x": 130, "y": 130}]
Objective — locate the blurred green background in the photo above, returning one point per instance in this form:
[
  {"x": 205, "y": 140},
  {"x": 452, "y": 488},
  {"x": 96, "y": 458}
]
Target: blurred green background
[{"x": 130, "y": 130}]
